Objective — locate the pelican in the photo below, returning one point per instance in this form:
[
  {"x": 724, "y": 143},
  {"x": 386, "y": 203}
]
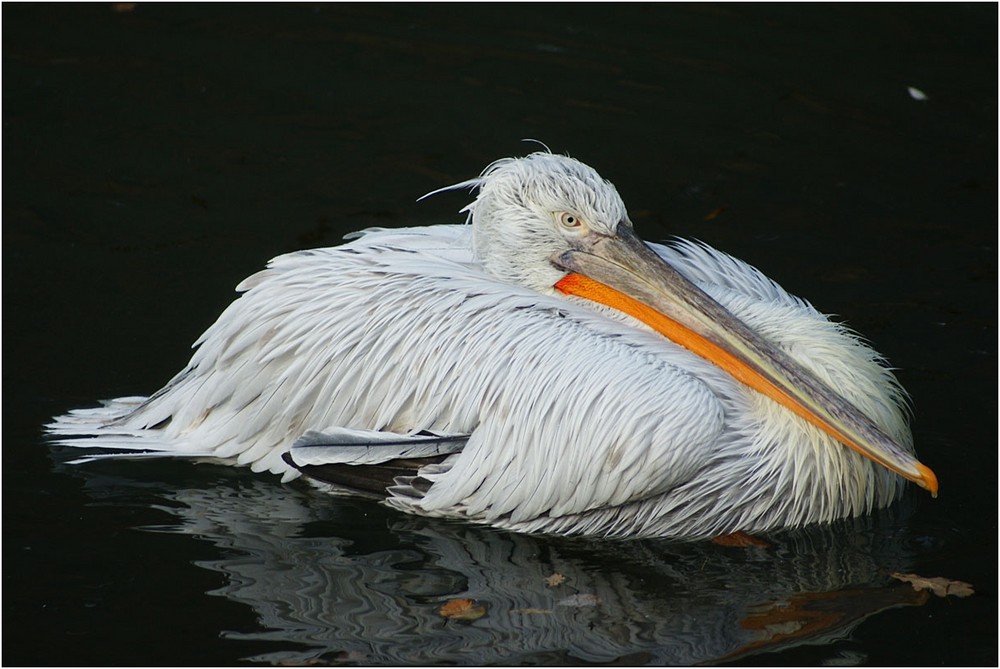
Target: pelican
[{"x": 540, "y": 369}]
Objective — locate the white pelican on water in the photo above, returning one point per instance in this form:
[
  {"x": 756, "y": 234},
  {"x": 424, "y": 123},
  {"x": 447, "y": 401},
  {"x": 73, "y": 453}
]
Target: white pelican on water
[{"x": 542, "y": 369}]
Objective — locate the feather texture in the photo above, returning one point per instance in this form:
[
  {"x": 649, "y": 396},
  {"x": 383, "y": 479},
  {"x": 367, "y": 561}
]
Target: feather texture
[{"x": 563, "y": 417}]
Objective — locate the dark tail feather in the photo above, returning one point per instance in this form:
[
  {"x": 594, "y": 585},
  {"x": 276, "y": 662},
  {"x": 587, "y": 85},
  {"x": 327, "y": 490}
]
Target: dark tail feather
[{"x": 370, "y": 480}]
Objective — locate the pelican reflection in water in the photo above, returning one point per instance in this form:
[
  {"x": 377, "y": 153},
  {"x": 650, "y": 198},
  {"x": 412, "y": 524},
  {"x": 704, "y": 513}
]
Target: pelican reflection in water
[
  {"x": 541, "y": 369},
  {"x": 323, "y": 592}
]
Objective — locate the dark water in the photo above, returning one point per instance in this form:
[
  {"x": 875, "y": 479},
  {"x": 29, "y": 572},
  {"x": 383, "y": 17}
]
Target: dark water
[{"x": 153, "y": 158}]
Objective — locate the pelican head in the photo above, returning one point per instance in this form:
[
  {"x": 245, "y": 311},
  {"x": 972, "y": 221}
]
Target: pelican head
[
  {"x": 530, "y": 208},
  {"x": 553, "y": 224}
]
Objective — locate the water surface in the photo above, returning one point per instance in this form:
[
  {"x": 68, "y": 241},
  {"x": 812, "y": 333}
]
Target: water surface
[{"x": 155, "y": 157}]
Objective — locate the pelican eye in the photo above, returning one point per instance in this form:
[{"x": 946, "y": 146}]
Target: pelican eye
[{"x": 571, "y": 221}]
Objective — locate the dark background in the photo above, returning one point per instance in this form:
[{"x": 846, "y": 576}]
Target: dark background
[{"x": 155, "y": 155}]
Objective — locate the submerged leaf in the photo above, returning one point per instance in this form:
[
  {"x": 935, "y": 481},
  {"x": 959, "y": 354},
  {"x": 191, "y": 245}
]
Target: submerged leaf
[
  {"x": 712, "y": 215},
  {"x": 582, "y": 599}
]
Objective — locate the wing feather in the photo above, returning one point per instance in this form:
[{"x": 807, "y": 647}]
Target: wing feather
[{"x": 399, "y": 331}]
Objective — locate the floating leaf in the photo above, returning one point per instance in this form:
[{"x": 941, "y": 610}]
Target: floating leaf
[
  {"x": 942, "y": 587},
  {"x": 740, "y": 540},
  {"x": 580, "y": 600},
  {"x": 555, "y": 579},
  {"x": 462, "y": 609}
]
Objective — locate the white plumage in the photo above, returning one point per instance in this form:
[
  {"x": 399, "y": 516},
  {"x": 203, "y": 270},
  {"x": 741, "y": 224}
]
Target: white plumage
[{"x": 534, "y": 410}]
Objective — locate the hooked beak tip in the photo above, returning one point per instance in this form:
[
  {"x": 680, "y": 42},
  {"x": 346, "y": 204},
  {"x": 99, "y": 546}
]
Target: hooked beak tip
[{"x": 928, "y": 480}]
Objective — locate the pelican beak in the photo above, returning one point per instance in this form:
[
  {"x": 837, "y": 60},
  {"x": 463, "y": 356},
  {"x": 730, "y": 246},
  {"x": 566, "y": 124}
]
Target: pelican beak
[{"x": 622, "y": 272}]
